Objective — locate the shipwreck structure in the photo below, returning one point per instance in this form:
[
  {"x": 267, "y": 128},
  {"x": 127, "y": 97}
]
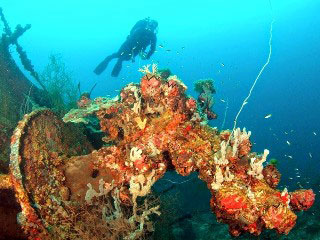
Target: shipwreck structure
[
  {"x": 17, "y": 94},
  {"x": 16, "y": 91},
  {"x": 149, "y": 128}
]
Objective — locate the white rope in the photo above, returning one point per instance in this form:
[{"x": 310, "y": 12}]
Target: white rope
[
  {"x": 188, "y": 180},
  {"x": 245, "y": 101},
  {"x": 225, "y": 114}
]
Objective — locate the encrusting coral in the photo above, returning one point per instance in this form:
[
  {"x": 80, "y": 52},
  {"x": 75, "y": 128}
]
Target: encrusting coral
[
  {"x": 152, "y": 127},
  {"x": 205, "y": 99}
]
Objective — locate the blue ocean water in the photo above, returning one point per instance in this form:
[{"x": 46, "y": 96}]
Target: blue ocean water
[{"x": 223, "y": 40}]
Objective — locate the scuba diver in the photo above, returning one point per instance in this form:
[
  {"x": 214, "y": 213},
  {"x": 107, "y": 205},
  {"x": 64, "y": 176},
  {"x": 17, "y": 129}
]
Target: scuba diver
[{"x": 141, "y": 36}]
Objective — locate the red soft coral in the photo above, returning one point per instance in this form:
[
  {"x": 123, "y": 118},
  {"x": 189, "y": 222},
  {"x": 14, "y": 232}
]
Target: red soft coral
[
  {"x": 233, "y": 203},
  {"x": 302, "y": 200},
  {"x": 279, "y": 218},
  {"x": 150, "y": 86}
]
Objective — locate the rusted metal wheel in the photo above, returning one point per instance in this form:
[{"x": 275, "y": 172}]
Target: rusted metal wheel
[{"x": 41, "y": 144}]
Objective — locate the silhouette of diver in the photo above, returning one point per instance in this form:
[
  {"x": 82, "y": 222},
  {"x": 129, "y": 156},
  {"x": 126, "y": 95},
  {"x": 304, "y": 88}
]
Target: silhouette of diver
[{"x": 141, "y": 36}]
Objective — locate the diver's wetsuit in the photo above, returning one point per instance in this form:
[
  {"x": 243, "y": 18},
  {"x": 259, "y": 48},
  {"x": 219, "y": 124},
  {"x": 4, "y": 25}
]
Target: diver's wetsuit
[{"x": 141, "y": 36}]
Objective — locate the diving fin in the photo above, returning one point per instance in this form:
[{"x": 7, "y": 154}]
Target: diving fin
[
  {"x": 101, "y": 67},
  {"x": 104, "y": 64},
  {"x": 117, "y": 68}
]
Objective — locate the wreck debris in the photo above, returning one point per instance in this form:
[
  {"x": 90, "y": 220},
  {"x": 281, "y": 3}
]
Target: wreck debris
[
  {"x": 141, "y": 144},
  {"x": 11, "y": 38}
]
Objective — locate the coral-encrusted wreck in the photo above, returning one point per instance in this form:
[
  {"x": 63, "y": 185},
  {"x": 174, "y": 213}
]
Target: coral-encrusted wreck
[{"x": 152, "y": 127}]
